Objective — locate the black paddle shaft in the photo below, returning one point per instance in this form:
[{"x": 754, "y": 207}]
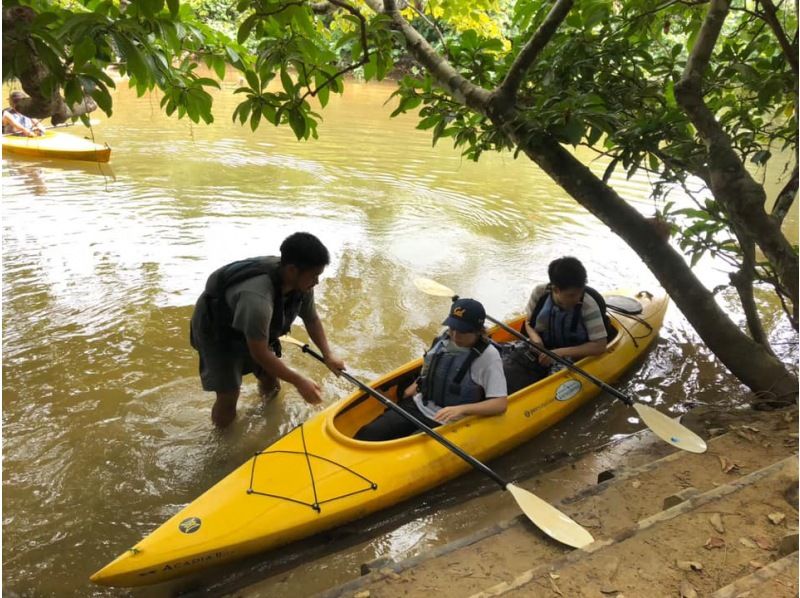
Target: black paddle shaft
[
  {"x": 565, "y": 362},
  {"x": 395, "y": 407}
]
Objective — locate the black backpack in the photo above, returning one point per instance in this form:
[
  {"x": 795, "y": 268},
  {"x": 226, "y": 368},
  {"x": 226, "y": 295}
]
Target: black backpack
[{"x": 222, "y": 279}]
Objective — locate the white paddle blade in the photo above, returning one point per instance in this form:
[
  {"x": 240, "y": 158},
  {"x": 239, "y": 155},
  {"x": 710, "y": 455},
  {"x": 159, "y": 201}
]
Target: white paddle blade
[
  {"x": 670, "y": 430},
  {"x": 431, "y": 287},
  {"x": 549, "y": 519},
  {"x": 291, "y": 340}
]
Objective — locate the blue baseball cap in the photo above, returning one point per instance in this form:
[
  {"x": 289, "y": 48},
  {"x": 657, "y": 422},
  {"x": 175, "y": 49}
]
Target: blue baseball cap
[{"x": 466, "y": 315}]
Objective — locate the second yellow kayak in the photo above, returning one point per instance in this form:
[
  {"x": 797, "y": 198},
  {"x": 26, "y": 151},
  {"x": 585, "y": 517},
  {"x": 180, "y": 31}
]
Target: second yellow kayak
[{"x": 55, "y": 144}]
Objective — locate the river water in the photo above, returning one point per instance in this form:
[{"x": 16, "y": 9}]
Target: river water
[{"x": 106, "y": 430}]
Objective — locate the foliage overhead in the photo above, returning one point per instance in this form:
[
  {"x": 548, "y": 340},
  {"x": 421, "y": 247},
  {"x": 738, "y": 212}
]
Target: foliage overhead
[{"x": 606, "y": 79}]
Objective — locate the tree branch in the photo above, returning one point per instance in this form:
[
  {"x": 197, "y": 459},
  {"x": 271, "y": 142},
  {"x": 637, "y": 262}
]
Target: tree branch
[
  {"x": 743, "y": 283},
  {"x": 447, "y": 77},
  {"x": 364, "y": 46},
  {"x": 433, "y": 26},
  {"x": 506, "y": 92},
  {"x": 771, "y": 17},
  {"x": 741, "y": 197},
  {"x": 786, "y": 198}
]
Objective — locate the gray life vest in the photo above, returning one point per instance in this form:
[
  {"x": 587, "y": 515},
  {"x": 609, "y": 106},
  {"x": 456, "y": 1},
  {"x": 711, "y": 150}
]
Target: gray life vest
[
  {"x": 565, "y": 328},
  {"x": 447, "y": 381}
]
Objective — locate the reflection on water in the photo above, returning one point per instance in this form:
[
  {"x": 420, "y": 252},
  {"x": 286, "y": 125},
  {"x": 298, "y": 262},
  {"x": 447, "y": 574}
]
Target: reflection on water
[{"x": 107, "y": 432}]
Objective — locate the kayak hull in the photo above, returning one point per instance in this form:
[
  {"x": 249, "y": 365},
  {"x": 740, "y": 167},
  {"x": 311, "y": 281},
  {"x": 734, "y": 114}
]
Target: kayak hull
[
  {"x": 55, "y": 144},
  {"x": 317, "y": 476}
]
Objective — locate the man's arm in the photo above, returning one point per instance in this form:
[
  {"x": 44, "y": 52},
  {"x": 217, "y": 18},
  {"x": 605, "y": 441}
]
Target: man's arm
[
  {"x": 493, "y": 406},
  {"x": 9, "y": 120},
  {"x": 533, "y": 335},
  {"x": 272, "y": 365},
  {"x": 317, "y": 334},
  {"x": 597, "y": 347}
]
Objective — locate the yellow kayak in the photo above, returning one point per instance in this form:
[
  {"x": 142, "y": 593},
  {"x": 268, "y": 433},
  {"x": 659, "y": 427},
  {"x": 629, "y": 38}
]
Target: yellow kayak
[
  {"x": 317, "y": 476},
  {"x": 55, "y": 144}
]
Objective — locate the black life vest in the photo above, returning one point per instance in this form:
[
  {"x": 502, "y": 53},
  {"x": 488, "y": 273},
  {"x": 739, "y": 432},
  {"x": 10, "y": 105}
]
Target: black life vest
[
  {"x": 446, "y": 381},
  {"x": 572, "y": 334},
  {"x": 284, "y": 311}
]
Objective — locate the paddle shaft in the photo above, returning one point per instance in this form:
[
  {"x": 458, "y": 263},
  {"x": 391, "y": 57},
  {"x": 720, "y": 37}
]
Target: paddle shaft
[
  {"x": 406, "y": 415},
  {"x": 565, "y": 362}
]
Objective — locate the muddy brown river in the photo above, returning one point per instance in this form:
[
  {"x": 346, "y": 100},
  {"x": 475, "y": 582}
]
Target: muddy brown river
[{"x": 106, "y": 431}]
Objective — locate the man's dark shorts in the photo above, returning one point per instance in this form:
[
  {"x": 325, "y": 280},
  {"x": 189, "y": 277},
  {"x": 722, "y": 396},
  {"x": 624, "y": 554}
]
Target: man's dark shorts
[{"x": 223, "y": 363}]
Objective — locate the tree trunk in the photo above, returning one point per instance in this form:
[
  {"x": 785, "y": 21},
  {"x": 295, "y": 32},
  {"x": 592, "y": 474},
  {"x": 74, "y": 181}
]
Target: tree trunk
[
  {"x": 746, "y": 359},
  {"x": 15, "y": 39}
]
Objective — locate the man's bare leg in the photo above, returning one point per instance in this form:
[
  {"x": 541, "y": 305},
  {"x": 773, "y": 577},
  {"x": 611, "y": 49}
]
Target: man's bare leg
[
  {"x": 224, "y": 410},
  {"x": 268, "y": 387}
]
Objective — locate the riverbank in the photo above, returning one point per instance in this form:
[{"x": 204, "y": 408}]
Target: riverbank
[{"x": 672, "y": 523}]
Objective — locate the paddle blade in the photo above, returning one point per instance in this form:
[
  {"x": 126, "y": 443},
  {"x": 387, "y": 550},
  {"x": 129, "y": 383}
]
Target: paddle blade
[
  {"x": 291, "y": 340},
  {"x": 431, "y": 287},
  {"x": 670, "y": 430},
  {"x": 549, "y": 519}
]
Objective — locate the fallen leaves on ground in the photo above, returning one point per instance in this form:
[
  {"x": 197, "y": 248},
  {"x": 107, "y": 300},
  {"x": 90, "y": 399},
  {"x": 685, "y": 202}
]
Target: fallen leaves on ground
[
  {"x": 714, "y": 542},
  {"x": 716, "y": 523},
  {"x": 727, "y": 465},
  {"x": 747, "y": 542},
  {"x": 776, "y": 518},
  {"x": 764, "y": 543},
  {"x": 689, "y": 565}
]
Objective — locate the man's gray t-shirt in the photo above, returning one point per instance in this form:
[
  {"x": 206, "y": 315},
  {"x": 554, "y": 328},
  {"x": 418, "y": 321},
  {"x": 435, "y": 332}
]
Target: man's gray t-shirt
[
  {"x": 486, "y": 371},
  {"x": 252, "y": 302}
]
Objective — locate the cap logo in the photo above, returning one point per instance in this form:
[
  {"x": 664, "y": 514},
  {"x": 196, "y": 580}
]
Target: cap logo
[{"x": 459, "y": 312}]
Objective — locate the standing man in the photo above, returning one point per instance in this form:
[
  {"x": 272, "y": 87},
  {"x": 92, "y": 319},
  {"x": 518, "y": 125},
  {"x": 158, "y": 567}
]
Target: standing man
[{"x": 246, "y": 306}]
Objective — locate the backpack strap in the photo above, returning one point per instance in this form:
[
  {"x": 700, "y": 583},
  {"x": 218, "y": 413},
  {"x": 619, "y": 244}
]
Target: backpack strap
[
  {"x": 539, "y": 306},
  {"x": 474, "y": 353},
  {"x": 611, "y": 332}
]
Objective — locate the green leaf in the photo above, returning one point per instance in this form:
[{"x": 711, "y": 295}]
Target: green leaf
[
  {"x": 323, "y": 95},
  {"x": 371, "y": 67},
  {"x": 207, "y": 81},
  {"x": 219, "y": 66},
  {"x": 427, "y": 123},
  {"x": 246, "y": 27},
  {"x": 298, "y": 122},
  {"x": 570, "y": 132},
  {"x": 286, "y": 81},
  {"x": 252, "y": 80},
  {"x": 174, "y": 8},
  {"x": 84, "y": 52},
  {"x": 255, "y": 119}
]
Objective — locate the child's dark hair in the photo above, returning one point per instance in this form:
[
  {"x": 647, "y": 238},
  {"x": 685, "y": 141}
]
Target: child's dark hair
[{"x": 567, "y": 273}]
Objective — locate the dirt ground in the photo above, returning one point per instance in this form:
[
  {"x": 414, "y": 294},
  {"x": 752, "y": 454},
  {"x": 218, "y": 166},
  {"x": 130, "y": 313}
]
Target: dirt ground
[{"x": 723, "y": 523}]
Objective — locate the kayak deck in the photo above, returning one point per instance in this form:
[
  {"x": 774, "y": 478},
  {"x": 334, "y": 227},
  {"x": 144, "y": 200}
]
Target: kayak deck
[
  {"x": 318, "y": 476},
  {"x": 55, "y": 144}
]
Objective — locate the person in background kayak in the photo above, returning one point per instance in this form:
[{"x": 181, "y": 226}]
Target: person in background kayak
[
  {"x": 565, "y": 316},
  {"x": 16, "y": 123},
  {"x": 462, "y": 374},
  {"x": 246, "y": 306}
]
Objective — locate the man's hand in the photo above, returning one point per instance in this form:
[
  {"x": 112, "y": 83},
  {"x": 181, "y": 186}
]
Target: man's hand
[
  {"x": 310, "y": 391},
  {"x": 447, "y": 414},
  {"x": 545, "y": 360},
  {"x": 334, "y": 364}
]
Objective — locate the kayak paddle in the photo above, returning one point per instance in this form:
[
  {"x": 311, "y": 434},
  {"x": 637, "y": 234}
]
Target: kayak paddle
[
  {"x": 543, "y": 515},
  {"x": 662, "y": 425}
]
